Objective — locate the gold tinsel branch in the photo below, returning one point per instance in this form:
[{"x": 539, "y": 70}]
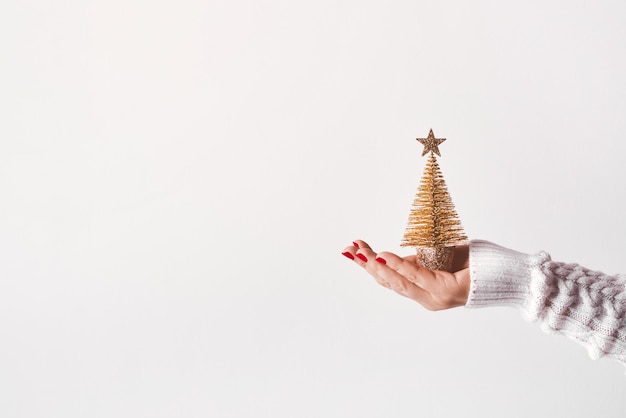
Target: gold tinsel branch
[{"x": 433, "y": 221}]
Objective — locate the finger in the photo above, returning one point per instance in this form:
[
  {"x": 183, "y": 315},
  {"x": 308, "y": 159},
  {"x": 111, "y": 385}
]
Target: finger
[
  {"x": 363, "y": 256},
  {"x": 391, "y": 279},
  {"x": 406, "y": 267},
  {"x": 397, "y": 282},
  {"x": 361, "y": 244},
  {"x": 349, "y": 252},
  {"x": 375, "y": 269}
]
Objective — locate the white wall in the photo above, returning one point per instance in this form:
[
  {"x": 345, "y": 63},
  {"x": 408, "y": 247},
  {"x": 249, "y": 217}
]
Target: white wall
[{"x": 178, "y": 179}]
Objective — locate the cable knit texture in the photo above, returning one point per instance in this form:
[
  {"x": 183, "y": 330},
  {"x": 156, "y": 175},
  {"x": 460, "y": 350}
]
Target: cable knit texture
[{"x": 587, "y": 306}]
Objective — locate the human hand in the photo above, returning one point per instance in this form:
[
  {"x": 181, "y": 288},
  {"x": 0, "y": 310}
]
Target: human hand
[{"x": 434, "y": 290}]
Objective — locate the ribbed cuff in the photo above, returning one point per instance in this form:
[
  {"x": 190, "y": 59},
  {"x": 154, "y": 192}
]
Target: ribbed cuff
[{"x": 502, "y": 277}]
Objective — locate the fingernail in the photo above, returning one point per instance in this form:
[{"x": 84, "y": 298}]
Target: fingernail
[
  {"x": 347, "y": 254},
  {"x": 355, "y": 244},
  {"x": 381, "y": 260},
  {"x": 362, "y": 257}
]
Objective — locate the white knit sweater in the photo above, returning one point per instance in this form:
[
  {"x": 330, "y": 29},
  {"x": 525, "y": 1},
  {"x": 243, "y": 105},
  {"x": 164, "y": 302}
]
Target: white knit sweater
[{"x": 587, "y": 306}]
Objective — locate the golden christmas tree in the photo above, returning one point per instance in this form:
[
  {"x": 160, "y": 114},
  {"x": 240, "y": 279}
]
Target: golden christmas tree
[{"x": 434, "y": 227}]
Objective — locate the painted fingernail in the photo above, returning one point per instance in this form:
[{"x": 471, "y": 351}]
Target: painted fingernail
[
  {"x": 355, "y": 244},
  {"x": 362, "y": 257},
  {"x": 347, "y": 254},
  {"x": 381, "y": 260}
]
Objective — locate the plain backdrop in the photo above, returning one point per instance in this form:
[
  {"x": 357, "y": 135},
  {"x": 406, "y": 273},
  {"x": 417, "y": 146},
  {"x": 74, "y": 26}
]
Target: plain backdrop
[{"x": 178, "y": 180}]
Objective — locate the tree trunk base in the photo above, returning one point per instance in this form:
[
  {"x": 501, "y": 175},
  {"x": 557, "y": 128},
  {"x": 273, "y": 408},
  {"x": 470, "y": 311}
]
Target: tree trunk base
[{"x": 438, "y": 258}]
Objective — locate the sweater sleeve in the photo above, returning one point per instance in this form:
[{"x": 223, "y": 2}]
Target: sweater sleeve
[{"x": 587, "y": 306}]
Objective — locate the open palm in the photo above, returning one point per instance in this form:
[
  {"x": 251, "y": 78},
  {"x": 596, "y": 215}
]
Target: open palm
[{"x": 434, "y": 290}]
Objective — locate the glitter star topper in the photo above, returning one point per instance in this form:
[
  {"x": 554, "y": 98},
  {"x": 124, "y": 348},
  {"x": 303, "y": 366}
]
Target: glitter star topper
[
  {"x": 431, "y": 144},
  {"x": 433, "y": 227}
]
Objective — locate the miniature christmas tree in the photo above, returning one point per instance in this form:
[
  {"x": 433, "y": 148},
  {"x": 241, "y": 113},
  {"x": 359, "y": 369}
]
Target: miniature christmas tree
[{"x": 434, "y": 227}]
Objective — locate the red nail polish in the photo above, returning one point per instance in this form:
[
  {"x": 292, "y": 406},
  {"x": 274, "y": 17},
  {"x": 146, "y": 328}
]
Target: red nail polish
[
  {"x": 362, "y": 257},
  {"x": 355, "y": 244},
  {"x": 381, "y": 260},
  {"x": 347, "y": 254}
]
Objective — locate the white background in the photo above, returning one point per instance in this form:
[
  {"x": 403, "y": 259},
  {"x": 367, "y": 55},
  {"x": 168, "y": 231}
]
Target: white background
[{"x": 178, "y": 180}]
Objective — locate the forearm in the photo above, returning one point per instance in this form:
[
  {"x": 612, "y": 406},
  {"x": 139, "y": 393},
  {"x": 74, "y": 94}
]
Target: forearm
[{"x": 587, "y": 306}]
